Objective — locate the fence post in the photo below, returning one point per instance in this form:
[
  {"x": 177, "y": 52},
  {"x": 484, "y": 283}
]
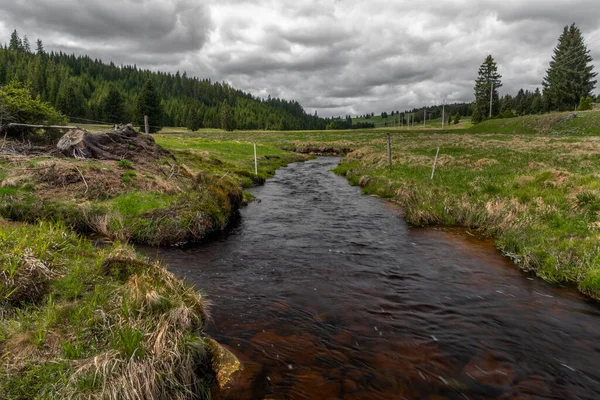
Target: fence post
[
  {"x": 255, "y": 161},
  {"x": 389, "y": 149},
  {"x": 435, "y": 162},
  {"x": 146, "y": 125}
]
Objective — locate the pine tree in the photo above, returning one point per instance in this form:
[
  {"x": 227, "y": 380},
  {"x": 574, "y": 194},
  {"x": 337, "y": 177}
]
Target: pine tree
[
  {"x": 113, "y": 108},
  {"x": 26, "y": 44},
  {"x": 226, "y": 117},
  {"x": 70, "y": 99},
  {"x": 570, "y": 75},
  {"x": 488, "y": 76},
  {"x": 15, "y": 41},
  {"x": 507, "y": 104},
  {"x": 40, "y": 47},
  {"x": 148, "y": 103},
  {"x": 537, "y": 103}
]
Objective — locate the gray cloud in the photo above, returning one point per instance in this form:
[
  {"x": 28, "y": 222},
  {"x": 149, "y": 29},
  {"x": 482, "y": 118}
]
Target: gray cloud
[
  {"x": 333, "y": 56},
  {"x": 147, "y": 27}
]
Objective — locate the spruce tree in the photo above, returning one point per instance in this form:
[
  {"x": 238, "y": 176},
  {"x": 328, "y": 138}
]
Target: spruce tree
[
  {"x": 113, "y": 109},
  {"x": 70, "y": 99},
  {"x": 488, "y": 76},
  {"x": 26, "y": 44},
  {"x": 570, "y": 75},
  {"x": 15, "y": 42},
  {"x": 148, "y": 103},
  {"x": 226, "y": 116},
  {"x": 40, "y": 47}
]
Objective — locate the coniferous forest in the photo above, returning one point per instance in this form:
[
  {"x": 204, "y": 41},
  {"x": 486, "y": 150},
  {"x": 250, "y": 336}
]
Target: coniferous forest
[{"x": 85, "y": 89}]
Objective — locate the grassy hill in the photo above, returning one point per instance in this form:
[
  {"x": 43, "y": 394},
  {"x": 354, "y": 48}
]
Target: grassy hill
[{"x": 584, "y": 123}]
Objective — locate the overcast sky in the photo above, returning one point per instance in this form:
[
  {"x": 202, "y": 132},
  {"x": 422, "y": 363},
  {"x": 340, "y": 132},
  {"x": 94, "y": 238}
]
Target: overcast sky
[{"x": 333, "y": 56}]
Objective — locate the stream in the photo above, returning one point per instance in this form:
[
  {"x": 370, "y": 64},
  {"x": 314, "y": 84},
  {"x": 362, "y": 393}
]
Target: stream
[{"x": 324, "y": 293}]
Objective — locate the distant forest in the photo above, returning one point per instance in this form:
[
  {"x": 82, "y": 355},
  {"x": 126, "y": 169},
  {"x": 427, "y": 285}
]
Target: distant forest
[{"x": 88, "y": 89}]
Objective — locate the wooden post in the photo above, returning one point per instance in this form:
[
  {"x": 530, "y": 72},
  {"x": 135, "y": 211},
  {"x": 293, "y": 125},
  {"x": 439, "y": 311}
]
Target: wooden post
[
  {"x": 146, "y": 125},
  {"x": 255, "y": 161},
  {"x": 435, "y": 162},
  {"x": 389, "y": 149}
]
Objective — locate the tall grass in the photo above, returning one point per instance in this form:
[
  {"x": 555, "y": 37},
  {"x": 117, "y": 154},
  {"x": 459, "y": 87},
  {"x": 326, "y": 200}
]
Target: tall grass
[{"x": 137, "y": 334}]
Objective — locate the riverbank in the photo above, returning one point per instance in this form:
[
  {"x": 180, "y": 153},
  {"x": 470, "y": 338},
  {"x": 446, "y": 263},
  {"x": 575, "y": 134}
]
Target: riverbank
[
  {"x": 176, "y": 198},
  {"x": 82, "y": 322},
  {"x": 538, "y": 196},
  {"x": 79, "y": 321}
]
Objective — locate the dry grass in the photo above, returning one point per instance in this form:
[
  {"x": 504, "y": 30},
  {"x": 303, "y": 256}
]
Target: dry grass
[{"x": 132, "y": 331}]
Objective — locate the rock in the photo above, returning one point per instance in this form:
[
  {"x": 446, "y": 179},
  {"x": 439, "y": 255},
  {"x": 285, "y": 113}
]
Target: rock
[{"x": 225, "y": 365}]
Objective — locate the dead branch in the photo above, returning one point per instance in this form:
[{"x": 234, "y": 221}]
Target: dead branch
[{"x": 87, "y": 188}]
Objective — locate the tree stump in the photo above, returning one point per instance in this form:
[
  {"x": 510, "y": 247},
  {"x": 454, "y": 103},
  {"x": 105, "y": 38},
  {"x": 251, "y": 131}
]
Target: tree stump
[{"x": 123, "y": 143}]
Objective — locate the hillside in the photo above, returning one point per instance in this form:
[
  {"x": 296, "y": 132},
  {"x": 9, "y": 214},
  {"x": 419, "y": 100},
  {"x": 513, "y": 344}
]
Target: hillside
[
  {"x": 577, "y": 123},
  {"x": 79, "y": 87}
]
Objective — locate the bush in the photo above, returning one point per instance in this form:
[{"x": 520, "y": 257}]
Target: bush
[
  {"x": 17, "y": 105},
  {"x": 508, "y": 114},
  {"x": 585, "y": 103}
]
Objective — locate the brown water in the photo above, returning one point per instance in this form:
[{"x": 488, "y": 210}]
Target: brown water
[{"x": 326, "y": 294}]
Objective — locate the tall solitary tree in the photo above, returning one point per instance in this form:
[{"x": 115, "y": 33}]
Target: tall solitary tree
[
  {"x": 487, "y": 82},
  {"x": 148, "y": 103},
  {"x": 570, "y": 75}
]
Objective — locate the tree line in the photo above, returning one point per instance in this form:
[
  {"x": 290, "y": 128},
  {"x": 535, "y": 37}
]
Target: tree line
[{"x": 84, "y": 89}]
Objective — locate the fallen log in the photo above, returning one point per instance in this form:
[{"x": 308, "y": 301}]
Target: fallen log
[{"x": 41, "y": 126}]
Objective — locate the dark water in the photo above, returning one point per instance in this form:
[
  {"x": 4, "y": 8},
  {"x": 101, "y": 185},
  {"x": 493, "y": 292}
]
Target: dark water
[{"x": 325, "y": 294}]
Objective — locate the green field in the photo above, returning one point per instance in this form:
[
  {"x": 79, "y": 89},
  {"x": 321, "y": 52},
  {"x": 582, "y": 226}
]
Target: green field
[{"x": 390, "y": 122}]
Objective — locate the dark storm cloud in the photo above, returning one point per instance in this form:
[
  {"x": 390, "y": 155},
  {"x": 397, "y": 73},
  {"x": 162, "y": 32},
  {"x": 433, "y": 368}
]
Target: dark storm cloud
[
  {"x": 334, "y": 56},
  {"x": 144, "y": 26}
]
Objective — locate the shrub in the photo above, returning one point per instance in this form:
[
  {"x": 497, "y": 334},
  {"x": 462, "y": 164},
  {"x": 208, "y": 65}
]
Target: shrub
[
  {"x": 585, "y": 103},
  {"x": 508, "y": 114},
  {"x": 17, "y": 105}
]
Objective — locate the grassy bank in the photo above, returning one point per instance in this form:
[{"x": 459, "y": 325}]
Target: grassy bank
[
  {"x": 81, "y": 322},
  {"x": 156, "y": 201},
  {"x": 539, "y": 196}
]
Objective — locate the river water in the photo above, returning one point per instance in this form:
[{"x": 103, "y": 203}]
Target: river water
[{"x": 328, "y": 294}]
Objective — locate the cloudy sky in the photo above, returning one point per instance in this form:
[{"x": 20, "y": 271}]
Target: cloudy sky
[{"x": 333, "y": 56}]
